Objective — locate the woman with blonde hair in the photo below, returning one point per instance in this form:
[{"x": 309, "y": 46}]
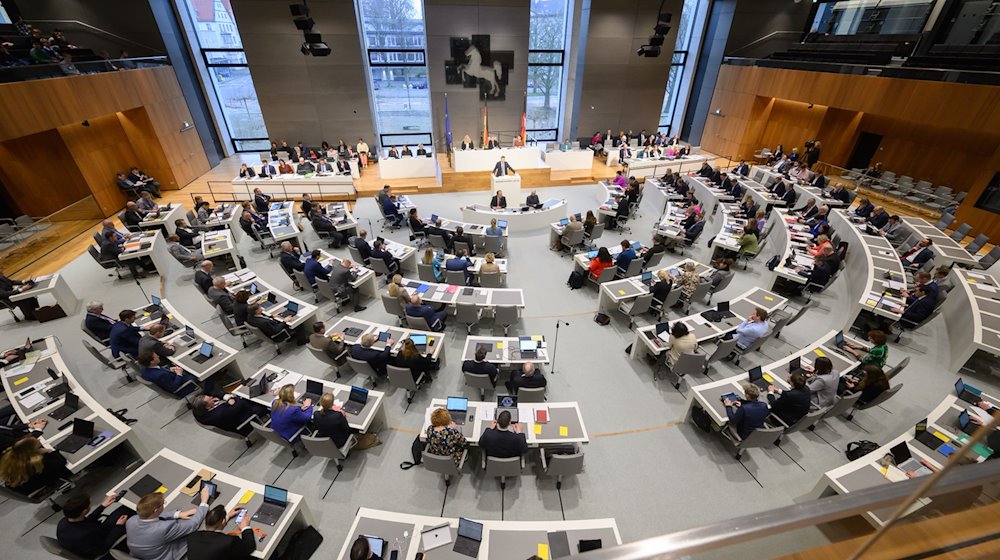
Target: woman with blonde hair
[
  {"x": 288, "y": 417},
  {"x": 396, "y": 290},
  {"x": 330, "y": 421},
  {"x": 362, "y": 149},
  {"x": 816, "y": 249},
  {"x": 28, "y": 467},
  {"x": 444, "y": 437},
  {"x": 490, "y": 266},
  {"x": 433, "y": 260}
]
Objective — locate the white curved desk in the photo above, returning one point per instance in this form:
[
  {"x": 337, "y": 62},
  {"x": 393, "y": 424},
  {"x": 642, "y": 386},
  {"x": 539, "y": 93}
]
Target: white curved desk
[{"x": 517, "y": 220}]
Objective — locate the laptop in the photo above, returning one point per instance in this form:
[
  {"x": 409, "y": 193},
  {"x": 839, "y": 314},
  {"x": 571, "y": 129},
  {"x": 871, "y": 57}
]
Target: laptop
[
  {"x": 420, "y": 341},
  {"x": 155, "y": 308},
  {"x": 967, "y": 393},
  {"x": 795, "y": 365},
  {"x": 965, "y": 423},
  {"x": 724, "y": 312},
  {"x": 204, "y": 353},
  {"x": 254, "y": 289},
  {"x": 591, "y": 255},
  {"x": 275, "y": 502},
  {"x": 528, "y": 348},
  {"x": 356, "y": 402},
  {"x": 838, "y": 339},
  {"x": 188, "y": 338},
  {"x": 435, "y": 537},
  {"x": 58, "y": 389},
  {"x": 502, "y": 224},
  {"x": 259, "y": 388},
  {"x": 458, "y": 408},
  {"x": 485, "y": 347},
  {"x": 756, "y": 375},
  {"x": 434, "y": 218},
  {"x": 270, "y": 300},
  {"x": 637, "y": 245},
  {"x": 83, "y": 432},
  {"x": 470, "y": 536},
  {"x": 291, "y": 309},
  {"x": 904, "y": 460},
  {"x": 647, "y": 278},
  {"x": 579, "y": 216},
  {"x": 564, "y": 221},
  {"x": 508, "y": 403},
  {"x": 314, "y": 390},
  {"x": 70, "y": 405},
  {"x": 926, "y": 437},
  {"x": 376, "y": 545}
]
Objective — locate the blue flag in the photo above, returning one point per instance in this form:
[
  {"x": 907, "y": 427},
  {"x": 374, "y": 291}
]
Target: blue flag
[{"x": 447, "y": 124}]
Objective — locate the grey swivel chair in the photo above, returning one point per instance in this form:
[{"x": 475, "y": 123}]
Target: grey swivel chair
[
  {"x": 596, "y": 233},
  {"x": 561, "y": 465},
  {"x": 505, "y": 316},
  {"x": 493, "y": 245},
  {"x": 325, "y": 291},
  {"x": 265, "y": 432},
  {"x": 462, "y": 246},
  {"x": 478, "y": 381},
  {"x": 503, "y": 468},
  {"x": 634, "y": 269},
  {"x": 110, "y": 363},
  {"x": 764, "y": 436},
  {"x": 393, "y": 307},
  {"x": 333, "y": 362},
  {"x": 233, "y": 329},
  {"x": 264, "y": 339},
  {"x": 573, "y": 240},
  {"x": 977, "y": 243},
  {"x": 444, "y": 465},
  {"x": 844, "y": 405},
  {"x": 468, "y": 314},
  {"x": 805, "y": 423},
  {"x": 886, "y": 395},
  {"x": 723, "y": 348},
  {"x": 490, "y": 279},
  {"x": 425, "y": 272},
  {"x": 419, "y": 323},
  {"x": 53, "y": 547},
  {"x": 607, "y": 275},
  {"x": 379, "y": 266},
  {"x": 402, "y": 378},
  {"x": 635, "y": 307},
  {"x": 754, "y": 347},
  {"x": 687, "y": 363},
  {"x": 363, "y": 368},
  {"x": 960, "y": 233},
  {"x": 455, "y": 277},
  {"x": 326, "y": 448},
  {"x": 531, "y": 394}
]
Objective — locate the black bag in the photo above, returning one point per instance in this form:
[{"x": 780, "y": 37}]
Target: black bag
[
  {"x": 303, "y": 544},
  {"x": 858, "y": 449},
  {"x": 576, "y": 279},
  {"x": 120, "y": 414},
  {"x": 772, "y": 263},
  {"x": 602, "y": 319},
  {"x": 48, "y": 313},
  {"x": 701, "y": 419},
  {"x": 416, "y": 449}
]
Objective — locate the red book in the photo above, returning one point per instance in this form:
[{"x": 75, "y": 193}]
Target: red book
[{"x": 541, "y": 415}]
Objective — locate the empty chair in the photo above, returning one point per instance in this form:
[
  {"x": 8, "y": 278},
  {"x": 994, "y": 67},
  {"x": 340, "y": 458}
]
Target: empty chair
[
  {"x": 945, "y": 221},
  {"x": 843, "y": 405},
  {"x": 977, "y": 243},
  {"x": 607, "y": 275},
  {"x": 886, "y": 395},
  {"x": 479, "y": 381},
  {"x": 492, "y": 244},
  {"x": 468, "y": 314},
  {"x": 326, "y": 448},
  {"x": 436, "y": 241},
  {"x": 727, "y": 279},
  {"x": 265, "y": 432},
  {"x": 989, "y": 259},
  {"x": 462, "y": 246},
  {"x": 502, "y": 468},
  {"x": 444, "y": 465},
  {"x": 765, "y": 436},
  {"x": 687, "y": 363},
  {"x": 402, "y": 377},
  {"x": 595, "y": 233},
  {"x": 804, "y": 423},
  {"x": 393, "y": 307},
  {"x": 110, "y": 363},
  {"x": 301, "y": 280},
  {"x": 490, "y": 279},
  {"x": 723, "y": 348},
  {"x": 531, "y": 394},
  {"x": 635, "y": 307},
  {"x": 362, "y": 367},
  {"x": 455, "y": 277},
  {"x": 109, "y": 264},
  {"x": 505, "y": 316},
  {"x": 263, "y": 237},
  {"x": 960, "y": 233},
  {"x": 894, "y": 371},
  {"x": 333, "y": 362},
  {"x": 425, "y": 272},
  {"x": 562, "y": 464},
  {"x": 779, "y": 323}
]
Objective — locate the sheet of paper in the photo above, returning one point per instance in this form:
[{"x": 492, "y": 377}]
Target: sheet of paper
[
  {"x": 563, "y": 431},
  {"x": 543, "y": 551},
  {"x": 537, "y": 429},
  {"x": 33, "y": 399},
  {"x": 986, "y": 288},
  {"x": 247, "y": 496}
]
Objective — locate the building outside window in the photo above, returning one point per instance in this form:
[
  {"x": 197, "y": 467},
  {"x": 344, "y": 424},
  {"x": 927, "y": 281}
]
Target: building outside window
[
  {"x": 222, "y": 50},
  {"x": 690, "y": 28},
  {"x": 546, "y": 61},
  {"x": 394, "y": 38}
]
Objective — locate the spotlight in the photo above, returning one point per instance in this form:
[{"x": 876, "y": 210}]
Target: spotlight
[
  {"x": 299, "y": 10},
  {"x": 304, "y": 23},
  {"x": 656, "y": 41},
  {"x": 314, "y": 45},
  {"x": 648, "y": 51}
]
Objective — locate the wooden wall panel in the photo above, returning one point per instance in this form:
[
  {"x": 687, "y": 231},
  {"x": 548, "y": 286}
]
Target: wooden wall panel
[
  {"x": 100, "y": 150},
  {"x": 982, "y": 221},
  {"x": 792, "y": 123},
  {"x": 837, "y": 134},
  {"x": 38, "y": 172},
  {"x": 142, "y": 136}
]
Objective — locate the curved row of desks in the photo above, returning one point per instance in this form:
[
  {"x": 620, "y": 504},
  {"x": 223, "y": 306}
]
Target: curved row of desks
[
  {"x": 353, "y": 328},
  {"x": 223, "y": 355},
  {"x": 519, "y": 218},
  {"x": 616, "y": 291},
  {"x": 448, "y": 294},
  {"x": 792, "y": 240},
  {"x": 873, "y": 269},
  {"x": 975, "y": 296}
]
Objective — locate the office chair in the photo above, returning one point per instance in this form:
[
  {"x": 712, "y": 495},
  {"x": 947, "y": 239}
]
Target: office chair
[
  {"x": 886, "y": 395},
  {"x": 265, "y": 432},
  {"x": 455, "y": 277},
  {"x": 108, "y": 264},
  {"x": 437, "y": 241},
  {"x": 700, "y": 292},
  {"x": 663, "y": 307},
  {"x": 687, "y": 363},
  {"x": 634, "y": 269},
  {"x": 463, "y": 246},
  {"x": 468, "y": 314},
  {"x": 83, "y": 327},
  {"x": 333, "y": 362},
  {"x": 805, "y": 423},
  {"x": 393, "y": 307},
  {"x": 493, "y": 245},
  {"x": 53, "y": 547},
  {"x": 960, "y": 233},
  {"x": 562, "y": 464},
  {"x": 303, "y": 282},
  {"x": 607, "y": 275},
  {"x": 234, "y": 330},
  {"x": 843, "y": 405},
  {"x": 326, "y": 448},
  {"x": 977, "y": 243},
  {"x": 764, "y": 436},
  {"x": 654, "y": 261},
  {"x": 379, "y": 266},
  {"x": 479, "y": 381},
  {"x": 635, "y": 307},
  {"x": 235, "y": 435},
  {"x": 502, "y": 468},
  {"x": 110, "y": 363},
  {"x": 726, "y": 280},
  {"x": 754, "y": 347},
  {"x": 276, "y": 343},
  {"x": 595, "y": 233},
  {"x": 573, "y": 240},
  {"x": 420, "y": 324},
  {"x": 505, "y": 316},
  {"x": 325, "y": 291},
  {"x": 531, "y": 394},
  {"x": 490, "y": 280},
  {"x": 403, "y": 378},
  {"x": 444, "y": 465},
  {"x": 363, "y": 368},
  {"x": 425, "y": 272},
  {"x": 723, "y": 348},
  {"x": 355, "y": 254}
]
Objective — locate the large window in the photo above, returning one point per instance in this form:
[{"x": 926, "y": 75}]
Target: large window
[
  {"x": 678, "y": 79},
  {"x": 397, "y": 63},
  {"x": 222, "y": 51},
  {"x": 546, "y": 60},
  {"x": 854, "y": 17}
]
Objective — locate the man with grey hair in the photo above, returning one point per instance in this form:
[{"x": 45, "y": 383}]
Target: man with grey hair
[
  {"x": 185, "y": 256},
  {"x": 341, "y": 277},
  {"x": 150, "y": 342},
  {"x": 375, "y": 358},
  {"x": 529, "y": 377},
  {"x": 97, "y": 322},
  {"x": 219, "y": 295},
  {"x": 203, "y": 278}
]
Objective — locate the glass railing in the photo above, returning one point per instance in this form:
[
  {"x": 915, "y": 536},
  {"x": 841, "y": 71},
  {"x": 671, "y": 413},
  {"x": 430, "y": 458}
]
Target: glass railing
[
  {"x": 26, "y": 240},
  {"x": 239, "y": 191},
  {"x": 43, "y": 71},
  {"x": 920, "y": 196}
]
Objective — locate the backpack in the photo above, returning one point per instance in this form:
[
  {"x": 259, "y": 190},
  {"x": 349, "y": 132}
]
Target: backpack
[
  {"x": 858, "y": 449},
  {"x": 303, "y": 544},
  {"x": 416, "y": 450},
  {"x": 602, "y": 319},
  {"x": 576, "y": 279},
  {"x": 772, "y": 263},
  {"x": 701, "y": 419}
]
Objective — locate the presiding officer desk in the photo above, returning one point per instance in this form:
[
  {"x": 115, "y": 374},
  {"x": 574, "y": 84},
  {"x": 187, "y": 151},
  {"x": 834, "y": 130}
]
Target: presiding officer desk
[
  {"x": 519, "y": 217},
  {"x": 500, "y": 539},
  {"x": 505, "y": 351},
  {"x": 870, "y": 470},
  {"x": 223, "y": 355},
  {"x": 291, "y": 184},
  {"x": 872, "y": 266},
  {"x": 371, "y": 418},
  {"x": 565, "y": 423},
  {"x": 976, "y": 296},
  {"x": 617, "y": 291},
  {"x": 352, "y": 329},
  {"x": 648, "y": 343},
  {"x": 708, "y": 396},
  {"x": 245, "y": 279},
  {"x": 487, "y": 298},
  {"x": 175, "y": 472},
  {"x": 26, "y": 383}
]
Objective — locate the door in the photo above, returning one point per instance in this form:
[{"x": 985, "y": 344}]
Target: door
[{"x": 864, "y": 150}]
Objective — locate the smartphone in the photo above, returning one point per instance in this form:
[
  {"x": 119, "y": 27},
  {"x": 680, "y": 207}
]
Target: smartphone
[
  {"x": 213, "y": 490},
  {"x": 120, "y": 494},
  {"x": 239, "y": 516},
  {"x": 193, "y": 482}
]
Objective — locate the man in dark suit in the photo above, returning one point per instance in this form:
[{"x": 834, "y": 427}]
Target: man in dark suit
[
  {"x": 304, "y": 167},
  {"x": 529, "y": 377},
  {"x": 147, "y": 183},
  {"x": 460, "y": 237},
  {"x": 340, "y": 281},
  {"x": 82, "y": 532},
  {"x": 393, "y": 153},
  {"x": 261, "y": 201},
  {"x": 360, "y": 242},
  {"x": 878, "y": 218},
  {"x": 203, "y": 278},
  {"x": 308, "y": 205},
  {"x": 532, "y": 199},
  {"x": 378, "y": 252},
  {"x": 314, "y": 269},
  {"x": 132, "y": 216},
  {"x": 502, "y": 440},
  {"x": 272, "y": 328},
  {"x": 742, "y": 169},
  {"x": 267, "y": 170},
  {"x": 324, "y": 166},
  {"x": 213, "y": 543},
  {"x": 173, "y": 380},
  {"x": 436, "y": 229},
  {"x": 375, "y": 358},
  {"x": 502, "y": 168},
  {"x": 343, "y": 167},
  {"x": 692, "y": 233},
  {"x": 188, "y": 237},
  {"x": 498, "y": 200},
  {"x": 219, "y": 295},
  {"x": 391, "y": 211},
  {"x": 421, "y": 151},
  {"x": 97, "y": 322},
  {"x": 826, "y": 265},
  {"x": 289, "y": 258},
  {"x": 789, "y": 197},
  {"x": 460, "y": 263},
  {"x": 434, "y": 318},
  {"x": 793, "y": 404},
  {"x": 322, "y": 223},
  {"x": 229, "y": 414},
  {"x": 919, "y": 307},
  {"x": 918, "y": 255},
  {"x": 839, "y": 192},
  {"x": 818, "y": 181},
  {"x": 124, "y": 336},
  {"x": 480, "y": 366}
]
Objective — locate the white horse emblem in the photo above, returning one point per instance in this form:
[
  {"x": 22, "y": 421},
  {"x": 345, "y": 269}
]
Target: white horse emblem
[{"x": 476, "y": 69}]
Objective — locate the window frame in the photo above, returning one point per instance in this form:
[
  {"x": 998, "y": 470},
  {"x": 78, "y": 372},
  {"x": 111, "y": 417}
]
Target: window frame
[{"x": 423, "y": 54}]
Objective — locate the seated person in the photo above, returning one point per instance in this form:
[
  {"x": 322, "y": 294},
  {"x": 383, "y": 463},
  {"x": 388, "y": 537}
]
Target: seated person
[
  {"x": 681, "y": 341},
  {"x": 272, "y": 328},
  {"x": 314, "y": 269},
  {"x": 186, "y": 256},
  {"x": 460, "y": 263},
  {"x": 227, "y": 412},
  {"x": 875, "y": 354},
  {"x": 261, "y": 201},
  {"x": 410, "y": 357},
  {"x": 436, "y": 229},
  {"x": 27, "y": 467},
  {"x": 746, "y": 414},
  {"x": 416, "y": 224},
  {"x": 360, "y": 242},
  {"x": 529, "y": 377},
  {"x": 97, "y": 322},
  {"x": 480, "y": 366},
  {"x": 503, "y": 439},
  {"x": 391, "y": 211},
  {"x": 203, "y": 278},
  {"x": 495, "y": 231},
  {"x": 330, "y": 422},
  {"x": 340, "y": 281},
  {"x": 436, "y": 262},
  {"x": 656, "y": 248},
  {"x": 754, "y": 327},
  {"x": 625, "y": 257},
  {"x": 918, "y": 254},
  {"x": 406, "y": 152},
  {"x": 124, "y": 336},
  {"x": 532, "y": 199},
  {"x": 151, "y": 535},
  {"x": 444, "y": 437},
  {"x": 214, "y": 543},
  {"x": 919, "y": 307},
  {"x": 379, "y": 252},
  {"x": 791, "y": 405},
  {"x": 83, "y": 532},
  {"x": 661, "y": 288},
  {"x": 878, "y": 218},
  {"x": 460, "y": 237},
  {"x": 600, "y": 262},
  {"x": 323, "y": 224},
  {"x": 173, "y": 380},
  {"x": 220, "y": 296},
  {"x": 873, "y": 383},
  {"x": 247, "y": 172},
  {"x": 288, "y": 416},
  {"x": 393, "y": 153},
  {"x": 241, "y": 309},
  {"x": 150, "y": 342},
  {"x": 435, "y": 319},
  {"x": 377, "y": 359},
  {"x": 489, "y": 266},
  {"x": 498, "y": 201},
  {"x": 816, "y": 247}
]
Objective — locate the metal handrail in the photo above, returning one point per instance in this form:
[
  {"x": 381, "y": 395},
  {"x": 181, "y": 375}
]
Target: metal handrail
[
  {"x": 742, "y": 529},
  {"x": 98, "y": 29},
  {"x": 764, "y": 38},
  {"x": 226, "y": 191}
]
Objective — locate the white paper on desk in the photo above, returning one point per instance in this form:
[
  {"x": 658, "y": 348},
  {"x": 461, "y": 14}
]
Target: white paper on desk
[
  {"x": 664, "y": 336},
  {"x": 986, "y": 288},
  {"x": 32, "y": 400},
  {"x": 803, "y": 261},
  {"x": 22, "y": 368},
  {"x": 976, "y": 276},
  {"x": 699, "y": 320},
  {"x": 289, "y": 379}
]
